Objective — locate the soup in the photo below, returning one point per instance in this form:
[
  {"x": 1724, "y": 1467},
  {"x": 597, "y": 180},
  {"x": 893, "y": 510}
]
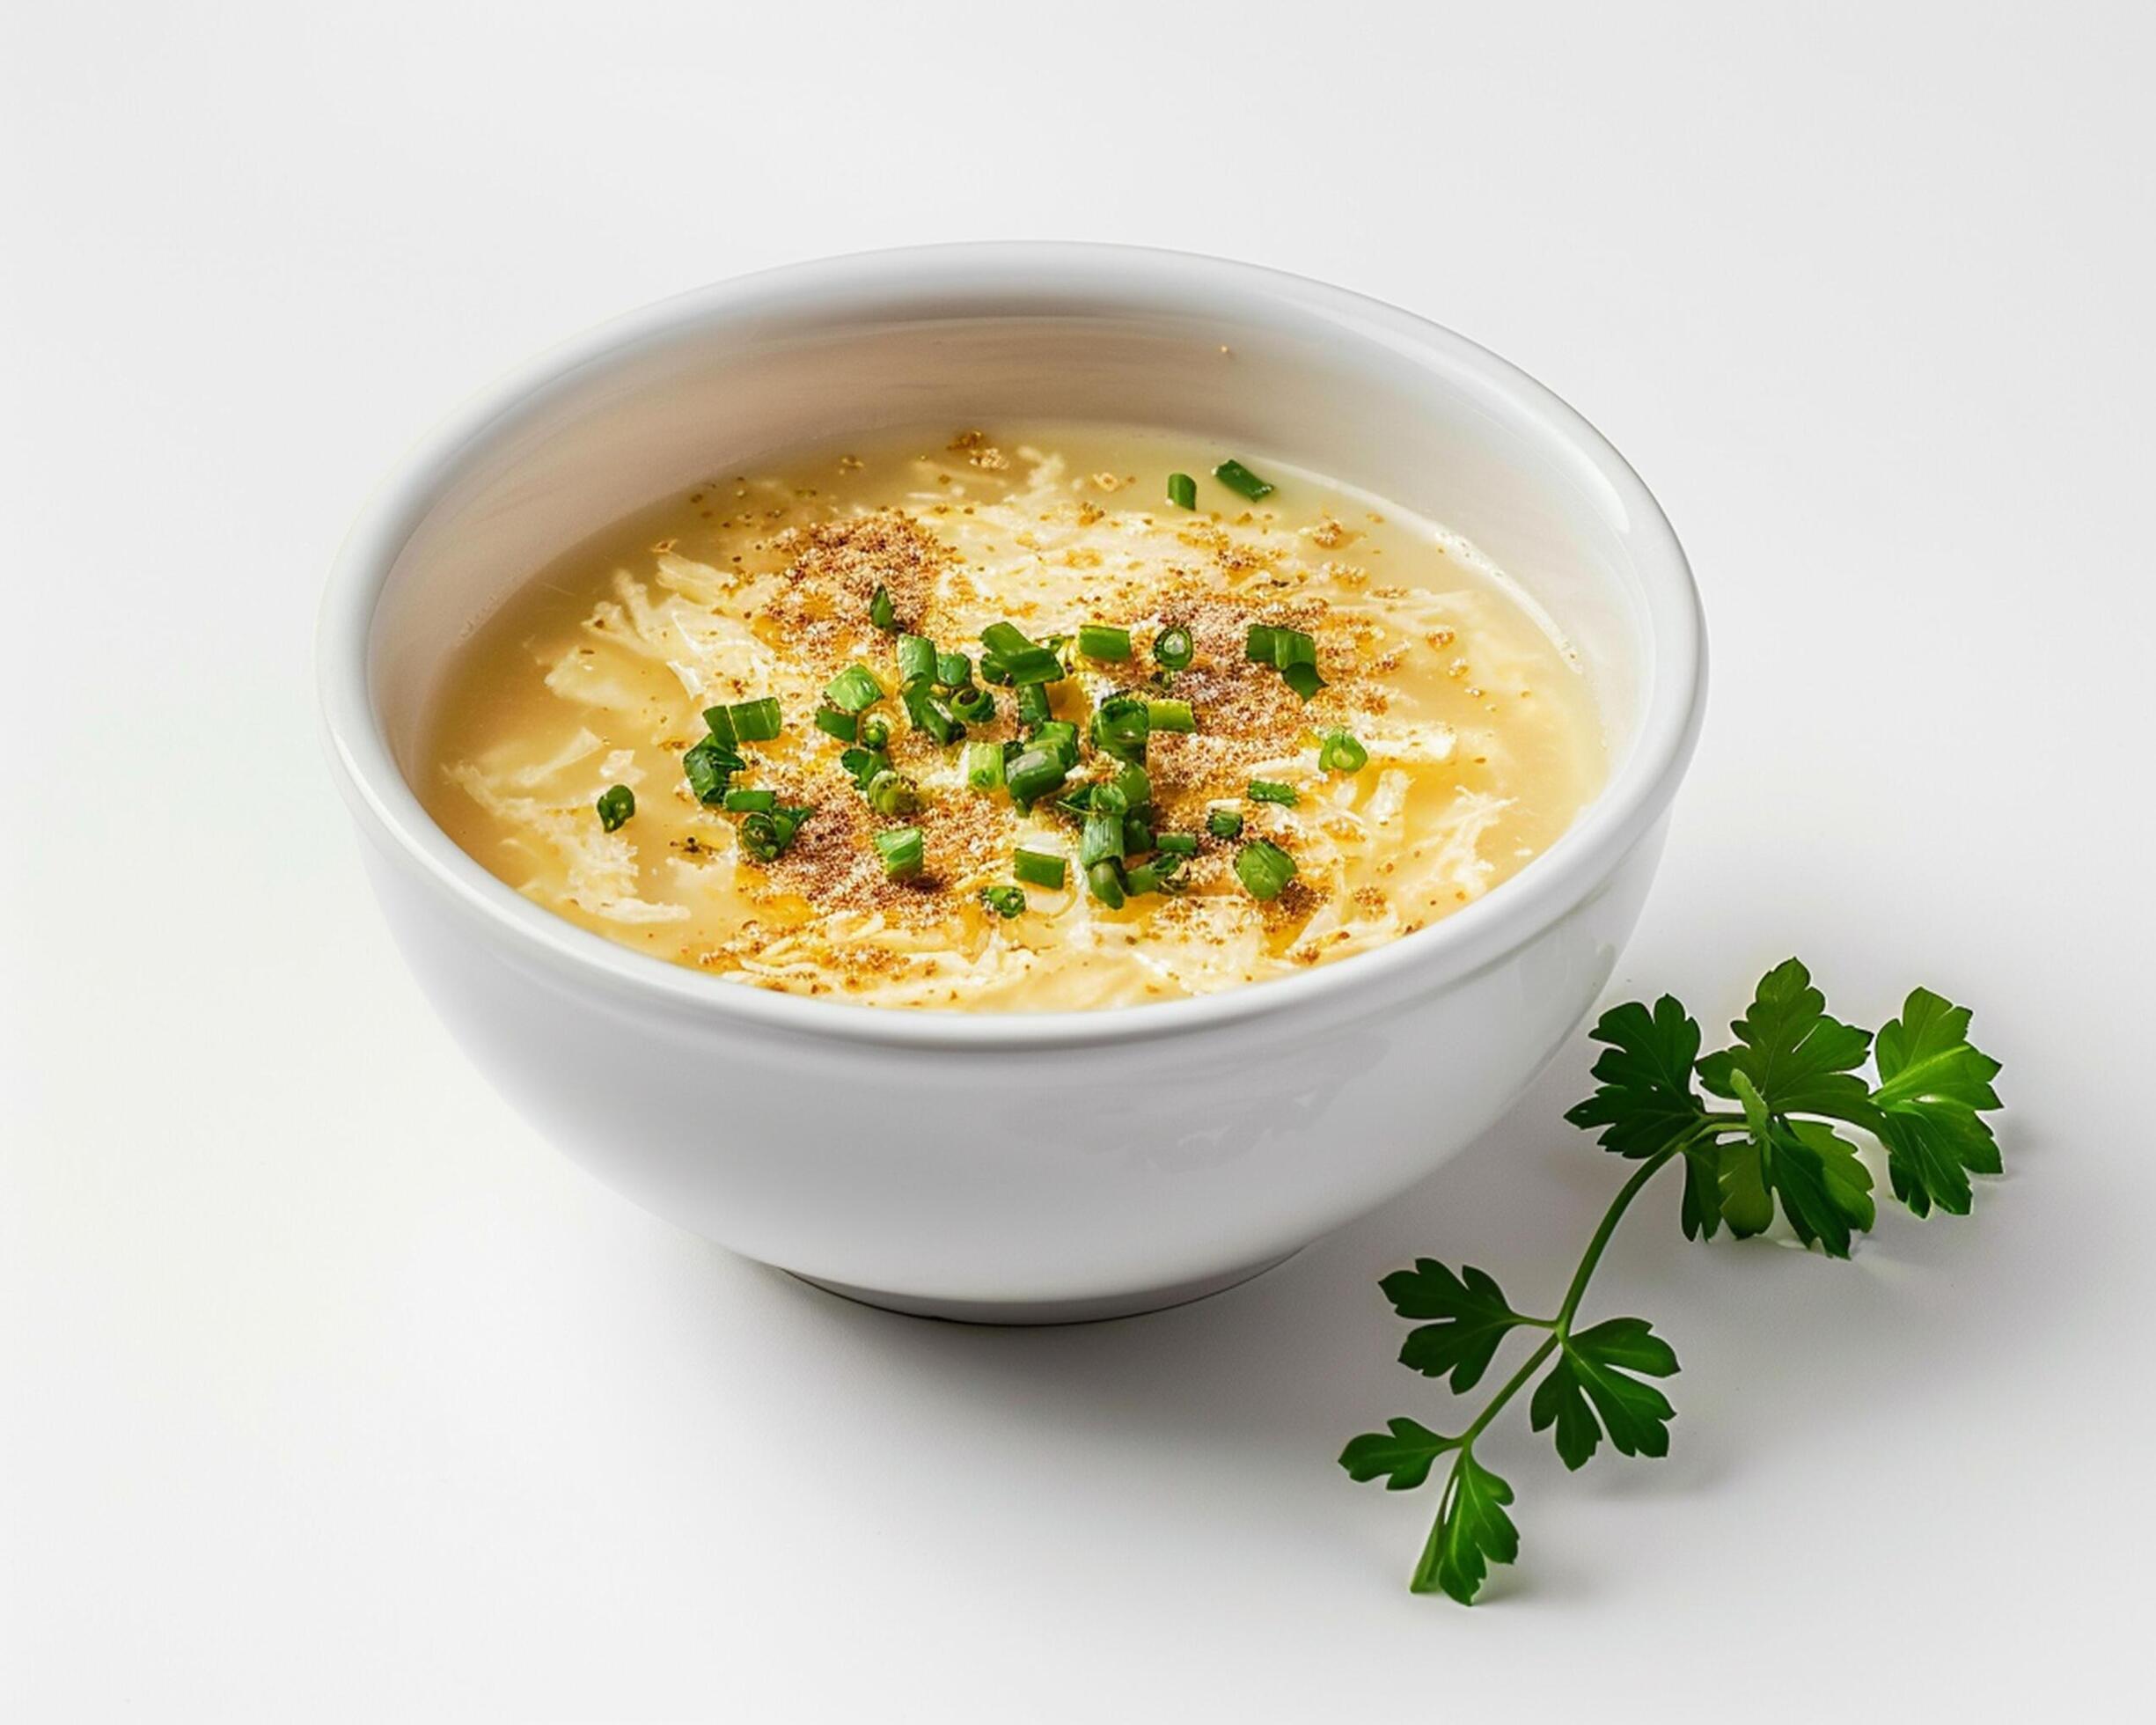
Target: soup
[{"x": 1039, "y": 717}]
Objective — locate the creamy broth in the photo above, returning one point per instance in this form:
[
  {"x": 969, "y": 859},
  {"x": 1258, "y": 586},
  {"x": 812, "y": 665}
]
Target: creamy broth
[{"x": 1477, "y": 740}]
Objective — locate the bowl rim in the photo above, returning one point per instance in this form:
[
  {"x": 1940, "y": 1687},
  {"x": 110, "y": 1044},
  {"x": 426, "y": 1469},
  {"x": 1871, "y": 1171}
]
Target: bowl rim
[{"x": 1618, "y": 818}]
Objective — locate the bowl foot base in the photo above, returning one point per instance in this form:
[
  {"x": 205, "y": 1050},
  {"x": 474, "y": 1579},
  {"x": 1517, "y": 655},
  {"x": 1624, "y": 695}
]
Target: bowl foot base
[{"x": 1091, "y": 1311}]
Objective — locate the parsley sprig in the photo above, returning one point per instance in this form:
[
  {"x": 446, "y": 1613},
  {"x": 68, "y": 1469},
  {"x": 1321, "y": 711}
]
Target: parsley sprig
[{"x": 1793, "y": 1074}]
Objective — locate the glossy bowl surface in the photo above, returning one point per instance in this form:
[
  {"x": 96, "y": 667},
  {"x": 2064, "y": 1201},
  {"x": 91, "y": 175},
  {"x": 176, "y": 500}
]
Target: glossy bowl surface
[{"x": 1109, "y": 1161}]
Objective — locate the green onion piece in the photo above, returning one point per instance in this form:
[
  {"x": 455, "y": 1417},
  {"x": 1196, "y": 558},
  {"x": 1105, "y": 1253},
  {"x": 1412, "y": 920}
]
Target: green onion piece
[
  {"x": 875, "y": 733},
  {"x": 766, "y": 836},
  {"x": 1038, "y": 868},
  {"x": 1303, "y": 679},
  {"x": 1005, "y": 901},
  {"x": 931, "y": 713},
  {"x": 751, "y": 802},
  {"x": 1178, "y": 844},
  {"x": 973, "y": 704},
  {"x": 844, "y": 726},
  {"x": 1060, "y": 737},
  {"x": 853, "y": 690},
  {"x": 881, "y": 612},
  {"x": 1263, "y": 868},
  {"x": 984, "y": 766},
  {"x": 1035, "y": 664},
  {"x": 1183, "y": 491},
  {"x": 1108, "y": 799},
  {"x": 953, "y": 670},
  {"x": 1033, "y": 705},
  {"x": 1119, "y": 727},
  {"x": 1258, "y": 645},
  {"x": 1137, "y": 833},
  {"x": 1170, "y": 715},
  {"x": 721, "y": 720},
  {"x": 1006, "y": 639},
  {"x": 1293, "y": 647},
  {"x": 916, "y": 659},
  {"x": 1224, "y": 824},
  {"x": 1137, "y": 788},
  {"x": 1106, "y": 881},
  {"x": 1034, "y": 773},
  {"x": 710, "y": 766},
  {"x": 1340, "y": 753},
  {"x": 756, "y": 721},
  {"x": 1102, "y": 840},
  {"x": 1155, "y": 876},
  {"x": 862, "y": 765},
  {"x": 900, "y": 850},
  {"x": 1098, "y": 641},
  {"x": 892, "y": 793},
  {"x": 1172, "y": 649},
  {"x": 1239, "y": 479},
  {"x": 616, "y": 804},
  {"x": 1264, "y": 791}
]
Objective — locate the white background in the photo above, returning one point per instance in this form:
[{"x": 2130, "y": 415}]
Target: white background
[{"x": 330, "y": 1391}]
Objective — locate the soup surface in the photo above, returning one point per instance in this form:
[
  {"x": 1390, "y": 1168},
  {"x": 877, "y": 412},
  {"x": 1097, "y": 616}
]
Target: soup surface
[{"x": 1199, "y": 746}]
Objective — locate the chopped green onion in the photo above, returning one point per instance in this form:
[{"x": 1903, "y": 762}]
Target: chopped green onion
[
  {"x": 1224, "y": 824},
  {"x": 756, "y": 721},
  {"x": 751, "y": 802},
  {"x": 1183, "y": 491},
  {"x": 881, "y": 612},
  {"x": 891, "y": 793},
  {"x": 1035, "y": 664},
  {"x": 1239, "y": 479},
  {"x": 901, "y": 851},
  {"x": 616, "y": 804},
  {"x": 1137, "y": 833},
  {"x": 1170, "y": 715},
  {"x": 1340, "y": 753},
  {"x": 931, "y": 713},
  {"x": 1137, "y": 788},
  {"x": 1034, "y": 773},
  {"x": 1119, "y": 727},
  {"x": 1098, "y": 641},
  {"x": 1106, "y": 881},
  {"x": 984, "y": 766},
  {"x": 1155, "y": 876},
  {"x": 916, "y": 659},
  {"x": 862, "y": 765},
  {"x": 1033, "y": 707},
  {"x": 875, "y": 733},
  {"x": 1258, "y": 645},
  {"x": 1172, "y": 649},
  {"x": 766, "y": 836},
  {"x": 1060, "y": 737},
  {"x": 710, "y": 766},
  {"x": 1178, "y": 844},
  {"x": 1263, "y": 868},
  {"x": 853, "y": 690},
  {"x": 1264, "y": 791},
  {"x": 1102, "y": 840},
  {"x": 973, "y": 704},
  {"x": 844, "y": 726},
  {"x": 1005, "y": 901},
  {"x": 1303, "y": 679},
  {"x": 721, "y": 723},
  {"x": 953, "y": 670},
  {"x": 1107, "y": 799},
  {"x": 1005, "y": 639},
  {"x": 1038, "y": 868}
]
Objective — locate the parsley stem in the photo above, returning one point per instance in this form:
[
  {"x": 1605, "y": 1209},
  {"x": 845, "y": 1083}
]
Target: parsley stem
[{"x": 1595, "y": 1247}]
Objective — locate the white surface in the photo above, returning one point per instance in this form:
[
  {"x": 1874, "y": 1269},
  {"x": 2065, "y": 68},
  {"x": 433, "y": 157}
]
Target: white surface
[
  {"x": 326, "y": 1391},
  {"x": 1143, "y": 1155}
]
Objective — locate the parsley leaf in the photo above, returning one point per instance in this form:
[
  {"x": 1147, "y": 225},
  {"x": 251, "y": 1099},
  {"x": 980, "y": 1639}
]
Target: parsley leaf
[
  {"x": 1472, "y": 1318},
  {"x": 1932, "y": 1089},
  {"x": 1596, "y": 1366},
  {"x": 1643, "y": 1101},
  {"x": 1825, "y": 1190},
  {"x": 1401, "y": 1455},
  {"x": 1799, "y": 1060},
  {"x": 1472, "y": 1532}
]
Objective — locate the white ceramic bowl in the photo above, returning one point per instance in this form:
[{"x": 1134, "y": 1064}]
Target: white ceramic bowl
[{"x": 1012, "y": 1167}]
